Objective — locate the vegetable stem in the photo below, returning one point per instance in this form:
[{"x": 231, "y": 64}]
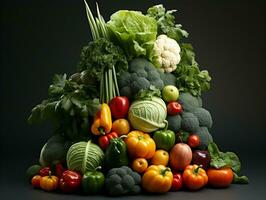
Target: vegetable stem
[
  {"x": 106, "y": 87},
  {"x": 102, "y": 88},
  {"x": 115, "y": 82},
  {"x": 110, "y": 79}
]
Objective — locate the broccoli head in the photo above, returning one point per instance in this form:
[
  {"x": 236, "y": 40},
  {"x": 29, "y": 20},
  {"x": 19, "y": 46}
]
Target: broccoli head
[
  {"x": 122, "y": 181},
  {"x": 168, "y": 78},
  {"x": 174, "y": 122},
  {"x": 189, "y": 102},
  {"x": 190, "y": 122},
  {"x": 141, "y": 74},
  {"x": 204, "y": 117}
]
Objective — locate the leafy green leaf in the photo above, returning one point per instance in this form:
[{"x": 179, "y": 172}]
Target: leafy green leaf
[
  {"x": 213, "y": 150},
  {"x": 235, "y": 162},
  {"x": 189, "y": 77},
  {"x": 67, "y": 111},
  {"x": 166, "y": 22},
  {"x": 148, "y": 94},
  {"x": 240, "y": 179}
]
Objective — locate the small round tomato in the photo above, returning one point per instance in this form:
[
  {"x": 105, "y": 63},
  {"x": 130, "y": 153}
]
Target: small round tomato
[
  {"x": 174, "y": 108},
  {"x": 121, "y": 126},
  {"x": 140, "y": 165},
  {"x": 193, "y": 141},
  {"x": 220, "y": 177},
  {"x": 35, "y": 181},
  {"x": 160, "y": 157},
  {"x": 177, "y": 182}
]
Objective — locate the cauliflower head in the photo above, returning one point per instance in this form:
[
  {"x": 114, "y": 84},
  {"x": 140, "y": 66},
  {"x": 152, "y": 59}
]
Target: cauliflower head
[{"x": 167, "y": 53}]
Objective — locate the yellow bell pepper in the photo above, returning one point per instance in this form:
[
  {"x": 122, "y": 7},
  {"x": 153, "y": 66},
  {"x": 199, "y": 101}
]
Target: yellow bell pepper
[
  {"x": 140, "y": 145},
  {"x": 157, "y": 179},
  {"x": 103, "y": 121}
]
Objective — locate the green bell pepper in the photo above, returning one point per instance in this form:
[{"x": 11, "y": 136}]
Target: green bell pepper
[
  {"x": 164, "y": 139},
  {"x": 93, "y": 182},
  {"x": 116, "y": 153}
]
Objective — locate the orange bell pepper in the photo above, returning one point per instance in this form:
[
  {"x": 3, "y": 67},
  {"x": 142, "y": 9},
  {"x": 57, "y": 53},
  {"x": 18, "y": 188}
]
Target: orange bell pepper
[
  {"x": 157, "y": 179},
  {"x": 140, "y": 145},
  {"x": 103, "y": 121},
  {"x": 194, "y": 177}
]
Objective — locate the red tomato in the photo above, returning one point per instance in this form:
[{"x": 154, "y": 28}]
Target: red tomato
[
  {"x": 104, "y": 140},
  {"x": 177, "y": 182},
  {"x": 220, "y": 177},
  {"x": 174, "y": 108},
  {"x": 193, "y": 141},
  {"x": 35, "y": 181}
]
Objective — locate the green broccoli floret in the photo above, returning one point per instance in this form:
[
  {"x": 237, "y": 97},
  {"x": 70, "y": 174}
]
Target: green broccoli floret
[
  {"x": 205, "y": 137},
  {"x": 204, "y": 117},
  {"x": 122, "y": 181},
  {"x": 190, "y": 122},
  {"x": 168, "y": 78},
  {"x": 189, "y": 103},
  {"x": 174, "y": 122},
  {"x": 141, "y": 74}
]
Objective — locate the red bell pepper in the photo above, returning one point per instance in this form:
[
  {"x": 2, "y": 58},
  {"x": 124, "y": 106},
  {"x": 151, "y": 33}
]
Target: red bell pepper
[
  {"x": 44, "y": 171},
  {"x": 119, "y": 107},
  {"x": 177, "y": 182},
  {"x": 70, "y": 181},
  {"x": 104, "y": 140}
]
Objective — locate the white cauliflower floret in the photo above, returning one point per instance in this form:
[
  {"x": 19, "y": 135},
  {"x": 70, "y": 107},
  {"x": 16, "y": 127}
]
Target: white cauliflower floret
[{"x": 168, "y": 53}]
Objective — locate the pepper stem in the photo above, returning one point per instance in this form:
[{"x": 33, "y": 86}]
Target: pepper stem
[
  {"x": 49, "y": 174},
  {"x": 196, "y": 171},
  {"x": 164, "y": 171},
  {"x": 180, "y": 138},
  {"x": 122, "y": 136},
  {"x": 101, "y": 130},
  {"x": 166, "y": 125}
]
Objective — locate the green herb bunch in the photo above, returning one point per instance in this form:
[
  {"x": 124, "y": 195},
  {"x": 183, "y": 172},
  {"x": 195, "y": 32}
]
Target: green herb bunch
[{"x": 69, "y": 106}]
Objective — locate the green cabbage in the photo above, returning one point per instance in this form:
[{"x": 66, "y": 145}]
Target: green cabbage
[
  {"x": 134, "y": 32},
  {"x": 84, "y": 156},
  {"x": 148, "y": 115}
]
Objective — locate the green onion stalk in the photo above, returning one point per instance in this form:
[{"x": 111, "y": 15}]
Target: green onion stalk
[{"x": 108, "y": 83}]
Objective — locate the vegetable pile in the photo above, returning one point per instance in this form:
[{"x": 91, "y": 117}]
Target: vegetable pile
[{"x": 131, "y": 119}]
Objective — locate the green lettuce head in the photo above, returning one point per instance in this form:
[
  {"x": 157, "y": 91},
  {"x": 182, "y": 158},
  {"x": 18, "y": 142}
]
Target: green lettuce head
[{"x": 134, "y": 32}]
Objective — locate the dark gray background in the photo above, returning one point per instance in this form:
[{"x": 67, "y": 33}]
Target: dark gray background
[{"x": 40, "y": 38}]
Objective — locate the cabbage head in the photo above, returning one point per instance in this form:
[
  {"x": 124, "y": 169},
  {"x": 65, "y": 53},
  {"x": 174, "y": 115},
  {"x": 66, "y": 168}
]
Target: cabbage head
[
  {"x": 148, "y": 115},
  {"x": 84, "y": 156}
]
